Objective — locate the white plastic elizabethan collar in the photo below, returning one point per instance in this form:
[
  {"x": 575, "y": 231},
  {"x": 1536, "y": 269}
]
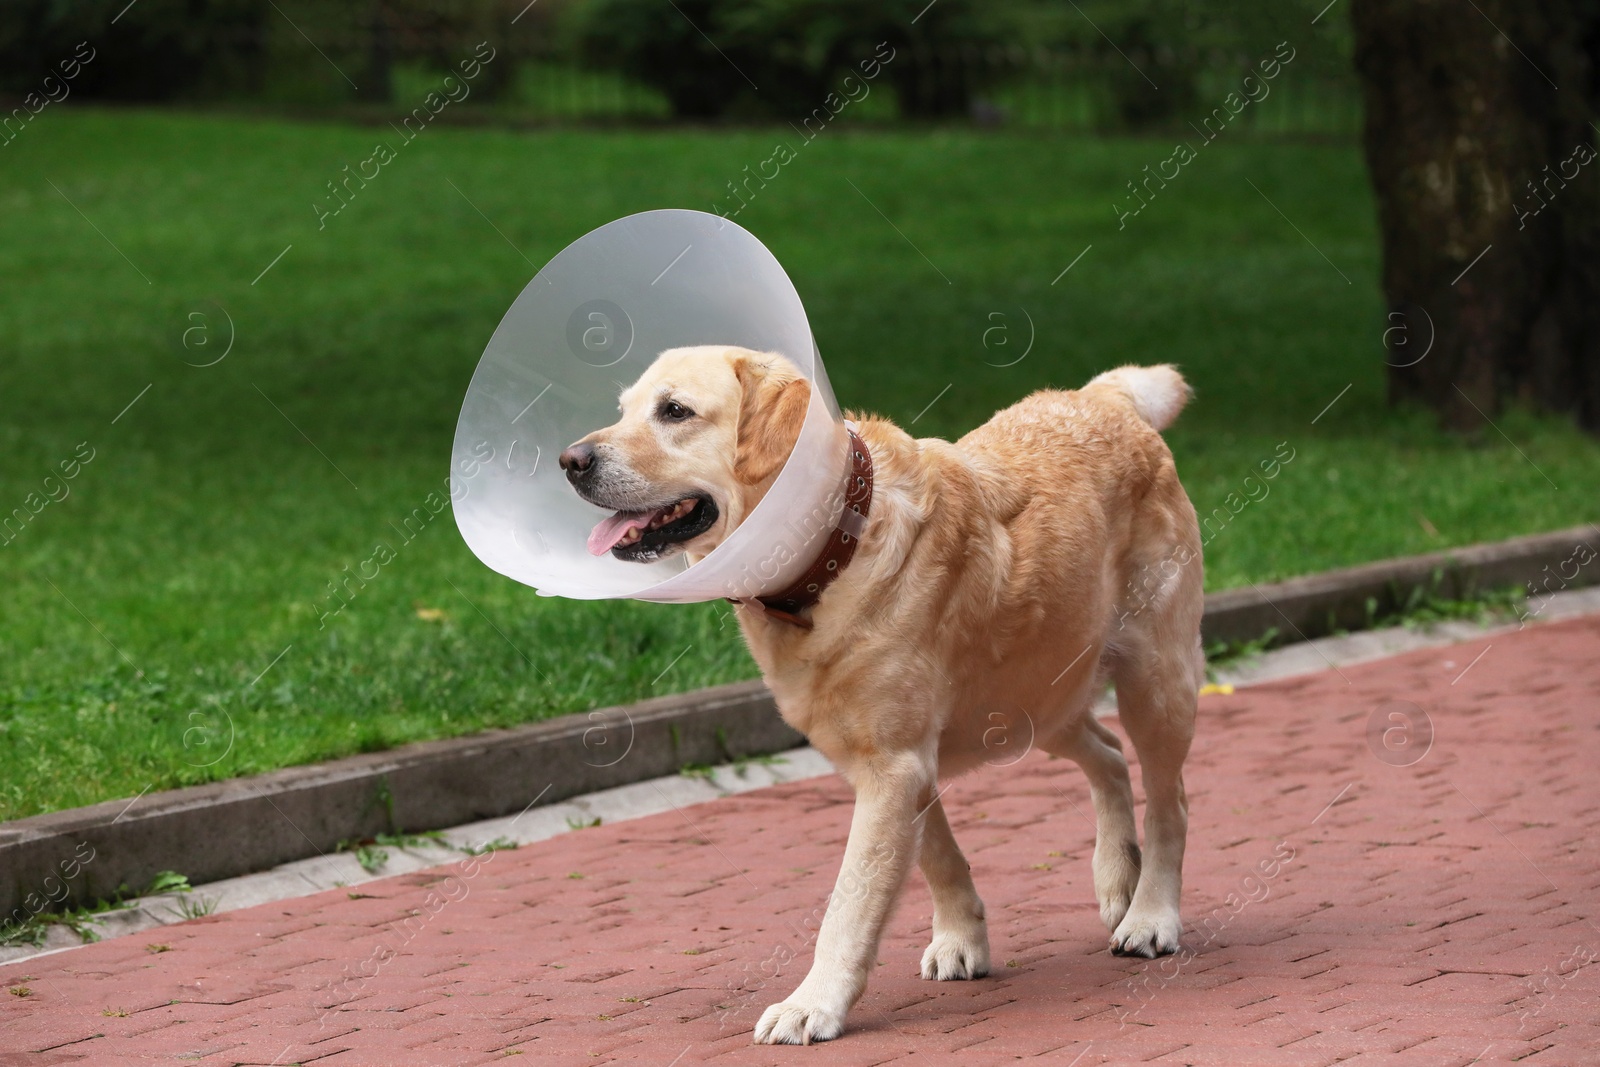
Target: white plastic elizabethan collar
[{"x": 586, "y": 327}]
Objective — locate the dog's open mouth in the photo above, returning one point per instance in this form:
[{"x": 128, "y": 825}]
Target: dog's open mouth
[{"x": 640, "y": 536}]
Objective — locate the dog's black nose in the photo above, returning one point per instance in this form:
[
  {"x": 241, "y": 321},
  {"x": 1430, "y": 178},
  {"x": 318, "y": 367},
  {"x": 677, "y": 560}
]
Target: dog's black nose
[{"x": 577, "y": 461}]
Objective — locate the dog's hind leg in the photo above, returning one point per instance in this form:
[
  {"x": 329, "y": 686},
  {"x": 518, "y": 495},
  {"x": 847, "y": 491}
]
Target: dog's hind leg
[
  {"x": 1157, "y": 688},
  {"x": 960, "y": 947},
  {"x": 1116, "y": 840}
]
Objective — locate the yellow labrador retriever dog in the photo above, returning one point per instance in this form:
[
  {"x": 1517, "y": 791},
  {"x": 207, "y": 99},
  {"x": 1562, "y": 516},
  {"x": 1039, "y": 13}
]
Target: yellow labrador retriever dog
[{"x": 1001, "y": 579}]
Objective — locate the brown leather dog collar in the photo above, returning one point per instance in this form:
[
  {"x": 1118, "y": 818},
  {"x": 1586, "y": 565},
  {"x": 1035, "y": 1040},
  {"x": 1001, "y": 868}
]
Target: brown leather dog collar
[{"x": 837, "y": 551}]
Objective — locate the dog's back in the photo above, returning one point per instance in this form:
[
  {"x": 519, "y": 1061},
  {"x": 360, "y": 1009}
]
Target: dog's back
[
  {"x": 1095, "y": 452},
  {"x": 1115, "y": 411}
]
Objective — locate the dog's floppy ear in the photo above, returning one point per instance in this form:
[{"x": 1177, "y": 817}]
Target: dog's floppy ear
[{"x": 770, "y": 414}]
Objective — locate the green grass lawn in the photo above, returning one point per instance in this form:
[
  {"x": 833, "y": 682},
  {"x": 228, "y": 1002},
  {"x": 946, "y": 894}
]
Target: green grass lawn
[{"x": 195, "y": 547}]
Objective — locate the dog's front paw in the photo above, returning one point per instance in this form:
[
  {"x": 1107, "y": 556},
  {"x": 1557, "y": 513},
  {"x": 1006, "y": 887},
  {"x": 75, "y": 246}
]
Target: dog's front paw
[
  {"x": 951, "y": 956},
  {"x": 793, "y": 1023},
  {"x": 1147, "y": 935}
]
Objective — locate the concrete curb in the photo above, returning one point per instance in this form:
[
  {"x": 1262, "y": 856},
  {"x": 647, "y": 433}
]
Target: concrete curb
[
  {"x": 1319, "y": 604},
  {"x": 231, "y": 828}
]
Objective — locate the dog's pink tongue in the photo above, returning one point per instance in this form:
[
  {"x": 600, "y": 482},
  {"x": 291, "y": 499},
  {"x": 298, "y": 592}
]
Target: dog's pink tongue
[{"x": 609, "y": 531}]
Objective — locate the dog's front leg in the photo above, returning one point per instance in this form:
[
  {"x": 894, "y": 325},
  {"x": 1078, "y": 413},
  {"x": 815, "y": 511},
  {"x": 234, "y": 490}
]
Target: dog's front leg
[{"x": 883, "y": 843}]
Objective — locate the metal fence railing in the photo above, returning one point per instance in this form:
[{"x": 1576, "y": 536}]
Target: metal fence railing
[
  {"x": 1082, "y": 91},
  {"x": 1030, "y": 88},
  {"x": 322, "y": 58}
]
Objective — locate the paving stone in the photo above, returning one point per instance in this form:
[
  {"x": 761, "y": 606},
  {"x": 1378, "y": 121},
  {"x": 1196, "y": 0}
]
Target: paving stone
[{"x": 1424, "y": 917}]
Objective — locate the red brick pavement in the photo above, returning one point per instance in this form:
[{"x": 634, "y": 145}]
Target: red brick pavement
[{"x": 1340, "y": 910}]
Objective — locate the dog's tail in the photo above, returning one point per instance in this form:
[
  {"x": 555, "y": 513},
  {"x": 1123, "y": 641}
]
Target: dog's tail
[{"x": 1157, "y": 393}]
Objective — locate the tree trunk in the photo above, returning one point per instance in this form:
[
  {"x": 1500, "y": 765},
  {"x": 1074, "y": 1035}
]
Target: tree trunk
[{"x": 1488, "y": 187}]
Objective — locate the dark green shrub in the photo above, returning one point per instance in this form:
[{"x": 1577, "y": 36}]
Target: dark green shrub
[
  {"x": 159, "y": 50},
  {"x": 1160, "y": 62},
  {"x": 781, "y": 58},
  {"x": 667, "y": 46}
]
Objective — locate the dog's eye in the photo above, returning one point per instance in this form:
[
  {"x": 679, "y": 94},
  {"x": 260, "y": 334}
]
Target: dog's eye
[{"x": 672, "y": 411}]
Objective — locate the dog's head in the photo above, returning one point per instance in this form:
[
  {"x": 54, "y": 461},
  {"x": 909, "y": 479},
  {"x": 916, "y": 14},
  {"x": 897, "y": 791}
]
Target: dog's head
[{"x": 703, "y": 433}]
